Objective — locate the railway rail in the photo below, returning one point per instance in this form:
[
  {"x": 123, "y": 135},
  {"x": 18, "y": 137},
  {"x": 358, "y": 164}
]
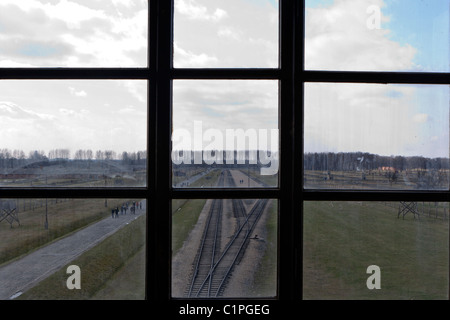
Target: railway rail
[{"x": 213, "y": 267}]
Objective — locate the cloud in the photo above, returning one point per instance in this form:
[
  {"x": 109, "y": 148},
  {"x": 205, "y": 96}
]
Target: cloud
[
  {"x": 232, "y": 33},
  {"x": 225, "y": 104},
  {"x": 195, "y": 11},
  {"x": 337, "y": 38},
  {"x": 420, "y": 118},
  {"x": 375, "y": 118},
  {"x": 189, "y": 59},
  {"x": 80, "y": 93},
  {"x": 229, "y": 32},
  {"x": 82, "y": 114},
  {"x": 137, "y": 89},
  {"x": 12, "y": 110},
  {"x": 73, "y": 33}
]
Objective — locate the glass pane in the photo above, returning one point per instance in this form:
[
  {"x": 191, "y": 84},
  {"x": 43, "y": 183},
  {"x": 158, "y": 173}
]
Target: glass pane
[
  {"x": 72, "y": 249},
  {"x": 373, "y": 136},
  {"x": 375, "y": 250},
  {"x": 225, "y": 133},
  {"x": 224, "y": 248},
  {"x": 376, "y": 35},
  {"x": 73, "y": 133},
  {"x": 224, "y": 34},
  {"x": 73, "y": 33}
]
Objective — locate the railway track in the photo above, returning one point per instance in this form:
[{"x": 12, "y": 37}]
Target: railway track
[{"x": 213, "y": 267}]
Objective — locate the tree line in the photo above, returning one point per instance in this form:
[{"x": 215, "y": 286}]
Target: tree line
[
  {"x": 351, "y": 161},
  {"x": 16, "y": 158}
]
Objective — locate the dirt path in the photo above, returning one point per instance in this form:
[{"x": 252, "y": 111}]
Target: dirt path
[{"x": 24, "y": 273}]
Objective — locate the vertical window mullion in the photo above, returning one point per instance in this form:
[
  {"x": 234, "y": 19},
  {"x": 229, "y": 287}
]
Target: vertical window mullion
[
  {"x": 286, "y": 208},
  {"x": 298, "y": 144},
  {"x": 162, "y": 139}
]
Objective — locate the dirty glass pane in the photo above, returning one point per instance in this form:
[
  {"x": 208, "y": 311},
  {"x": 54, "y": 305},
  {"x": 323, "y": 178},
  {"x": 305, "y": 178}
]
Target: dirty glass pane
[
  {"x": 73, "y": 133},
  {"x": 73, "y": 33},
  {"x": 226, "y": 34},
  {"x": 222, "y": 128},
  {"x": 72, "y": 249},
  {"x": 224, "y": 248},
  {"x": 374, "y": 136},
  {"x": 376, "y": 35},
  {"x": 375, "y": 250}
]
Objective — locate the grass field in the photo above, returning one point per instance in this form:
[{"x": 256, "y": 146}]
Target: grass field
[
  {"x": 341, "y": 239},
  {"x": 113, "y": 270},
  {"x": 85, "y": 181},
  {"x": 265, "y": 281},
  {"x": 63, "y": 217},
  {"x": 375, "y": 179}
]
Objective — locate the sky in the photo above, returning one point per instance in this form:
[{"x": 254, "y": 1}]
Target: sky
[
  {"x": 413, "y": 36},
  {"x": 383, "y": 119},
  {"x": 73, "y": 114}
]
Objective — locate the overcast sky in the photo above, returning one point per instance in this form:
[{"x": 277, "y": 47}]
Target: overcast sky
[{"x": 405, "y": 120}]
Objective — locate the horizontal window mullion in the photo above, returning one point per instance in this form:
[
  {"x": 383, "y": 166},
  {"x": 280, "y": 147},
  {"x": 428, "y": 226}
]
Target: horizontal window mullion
[
  {"x": 226, "y": 193},
  {"x": 226, "y": 73},
  {"x": 329, "y": 195},
  {"x": 74, "y": 73},
  {"x": 74, "y": 193},
  {"x": 376, "y": 77}
]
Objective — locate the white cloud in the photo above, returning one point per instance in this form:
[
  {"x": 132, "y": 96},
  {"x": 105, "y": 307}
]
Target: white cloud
[
  {"x": 73, "y": 33},
  {"x": 337, "y": 38},
  {"x": 229, "y": 32},
  {"x": 129, "y": 3},
  {"x": 14, "y": 64},
  {"x": 81, "y": 114},
  {"x": 12, "y": 110},
  {"x": 195, "y": 11},
  {"x": 137, "y": 89},
  {"x": 374, "y": 118},
  {"x": 189, "y": 59},
  {"x": 80, "y": 93},
  {"x": 420, "y": 118},
  {"x": 232, "y": 33}
]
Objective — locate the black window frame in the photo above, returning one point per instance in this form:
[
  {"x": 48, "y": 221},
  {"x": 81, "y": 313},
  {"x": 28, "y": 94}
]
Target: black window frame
[{"x": 290, "y": 191}]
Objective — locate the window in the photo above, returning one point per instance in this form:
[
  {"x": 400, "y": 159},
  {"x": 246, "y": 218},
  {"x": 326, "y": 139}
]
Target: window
[
  {"x": 371, "y": 124},
  {"x": 74, "y": 142},
  {"x": 273, "y": 150}
]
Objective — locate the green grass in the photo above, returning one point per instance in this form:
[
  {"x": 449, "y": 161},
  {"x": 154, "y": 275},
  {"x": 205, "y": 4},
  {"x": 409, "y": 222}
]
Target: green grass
[
  {"x": 341, "y": 239},
  {"x": 183, "y": 220},
  {"x": 371, "y": 179},
  {"x": 63, "y": 218},
  {"x": 208, "y": 180},
  {"x": 270, "y": 180},
  {"x": 128, "y": 283},
  {"x": 114, "y": 269},
  {"x": 265, "y": 281}
]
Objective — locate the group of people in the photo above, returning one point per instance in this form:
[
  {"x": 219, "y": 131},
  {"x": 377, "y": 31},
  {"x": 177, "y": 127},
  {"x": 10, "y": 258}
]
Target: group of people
[{"x": 124, "y": 208}]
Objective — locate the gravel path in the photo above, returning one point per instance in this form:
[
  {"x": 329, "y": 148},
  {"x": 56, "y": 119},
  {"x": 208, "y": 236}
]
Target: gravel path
[{"x": 22, "y": 274}]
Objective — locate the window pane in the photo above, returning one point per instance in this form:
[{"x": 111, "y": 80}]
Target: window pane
[
  {"x": 219, "y": 34},
  {"x": 373, "y": 136},
  {"x": 377, "y": 35},
  {"x": 407, "y": 241},
  {"x": 224, "y": 248},
  {"x": 73, "y": 133},
  {"x": 225, "y": 129},
  {"x": 73, "y": 33},
  {"x": 41, "y": 238}
]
